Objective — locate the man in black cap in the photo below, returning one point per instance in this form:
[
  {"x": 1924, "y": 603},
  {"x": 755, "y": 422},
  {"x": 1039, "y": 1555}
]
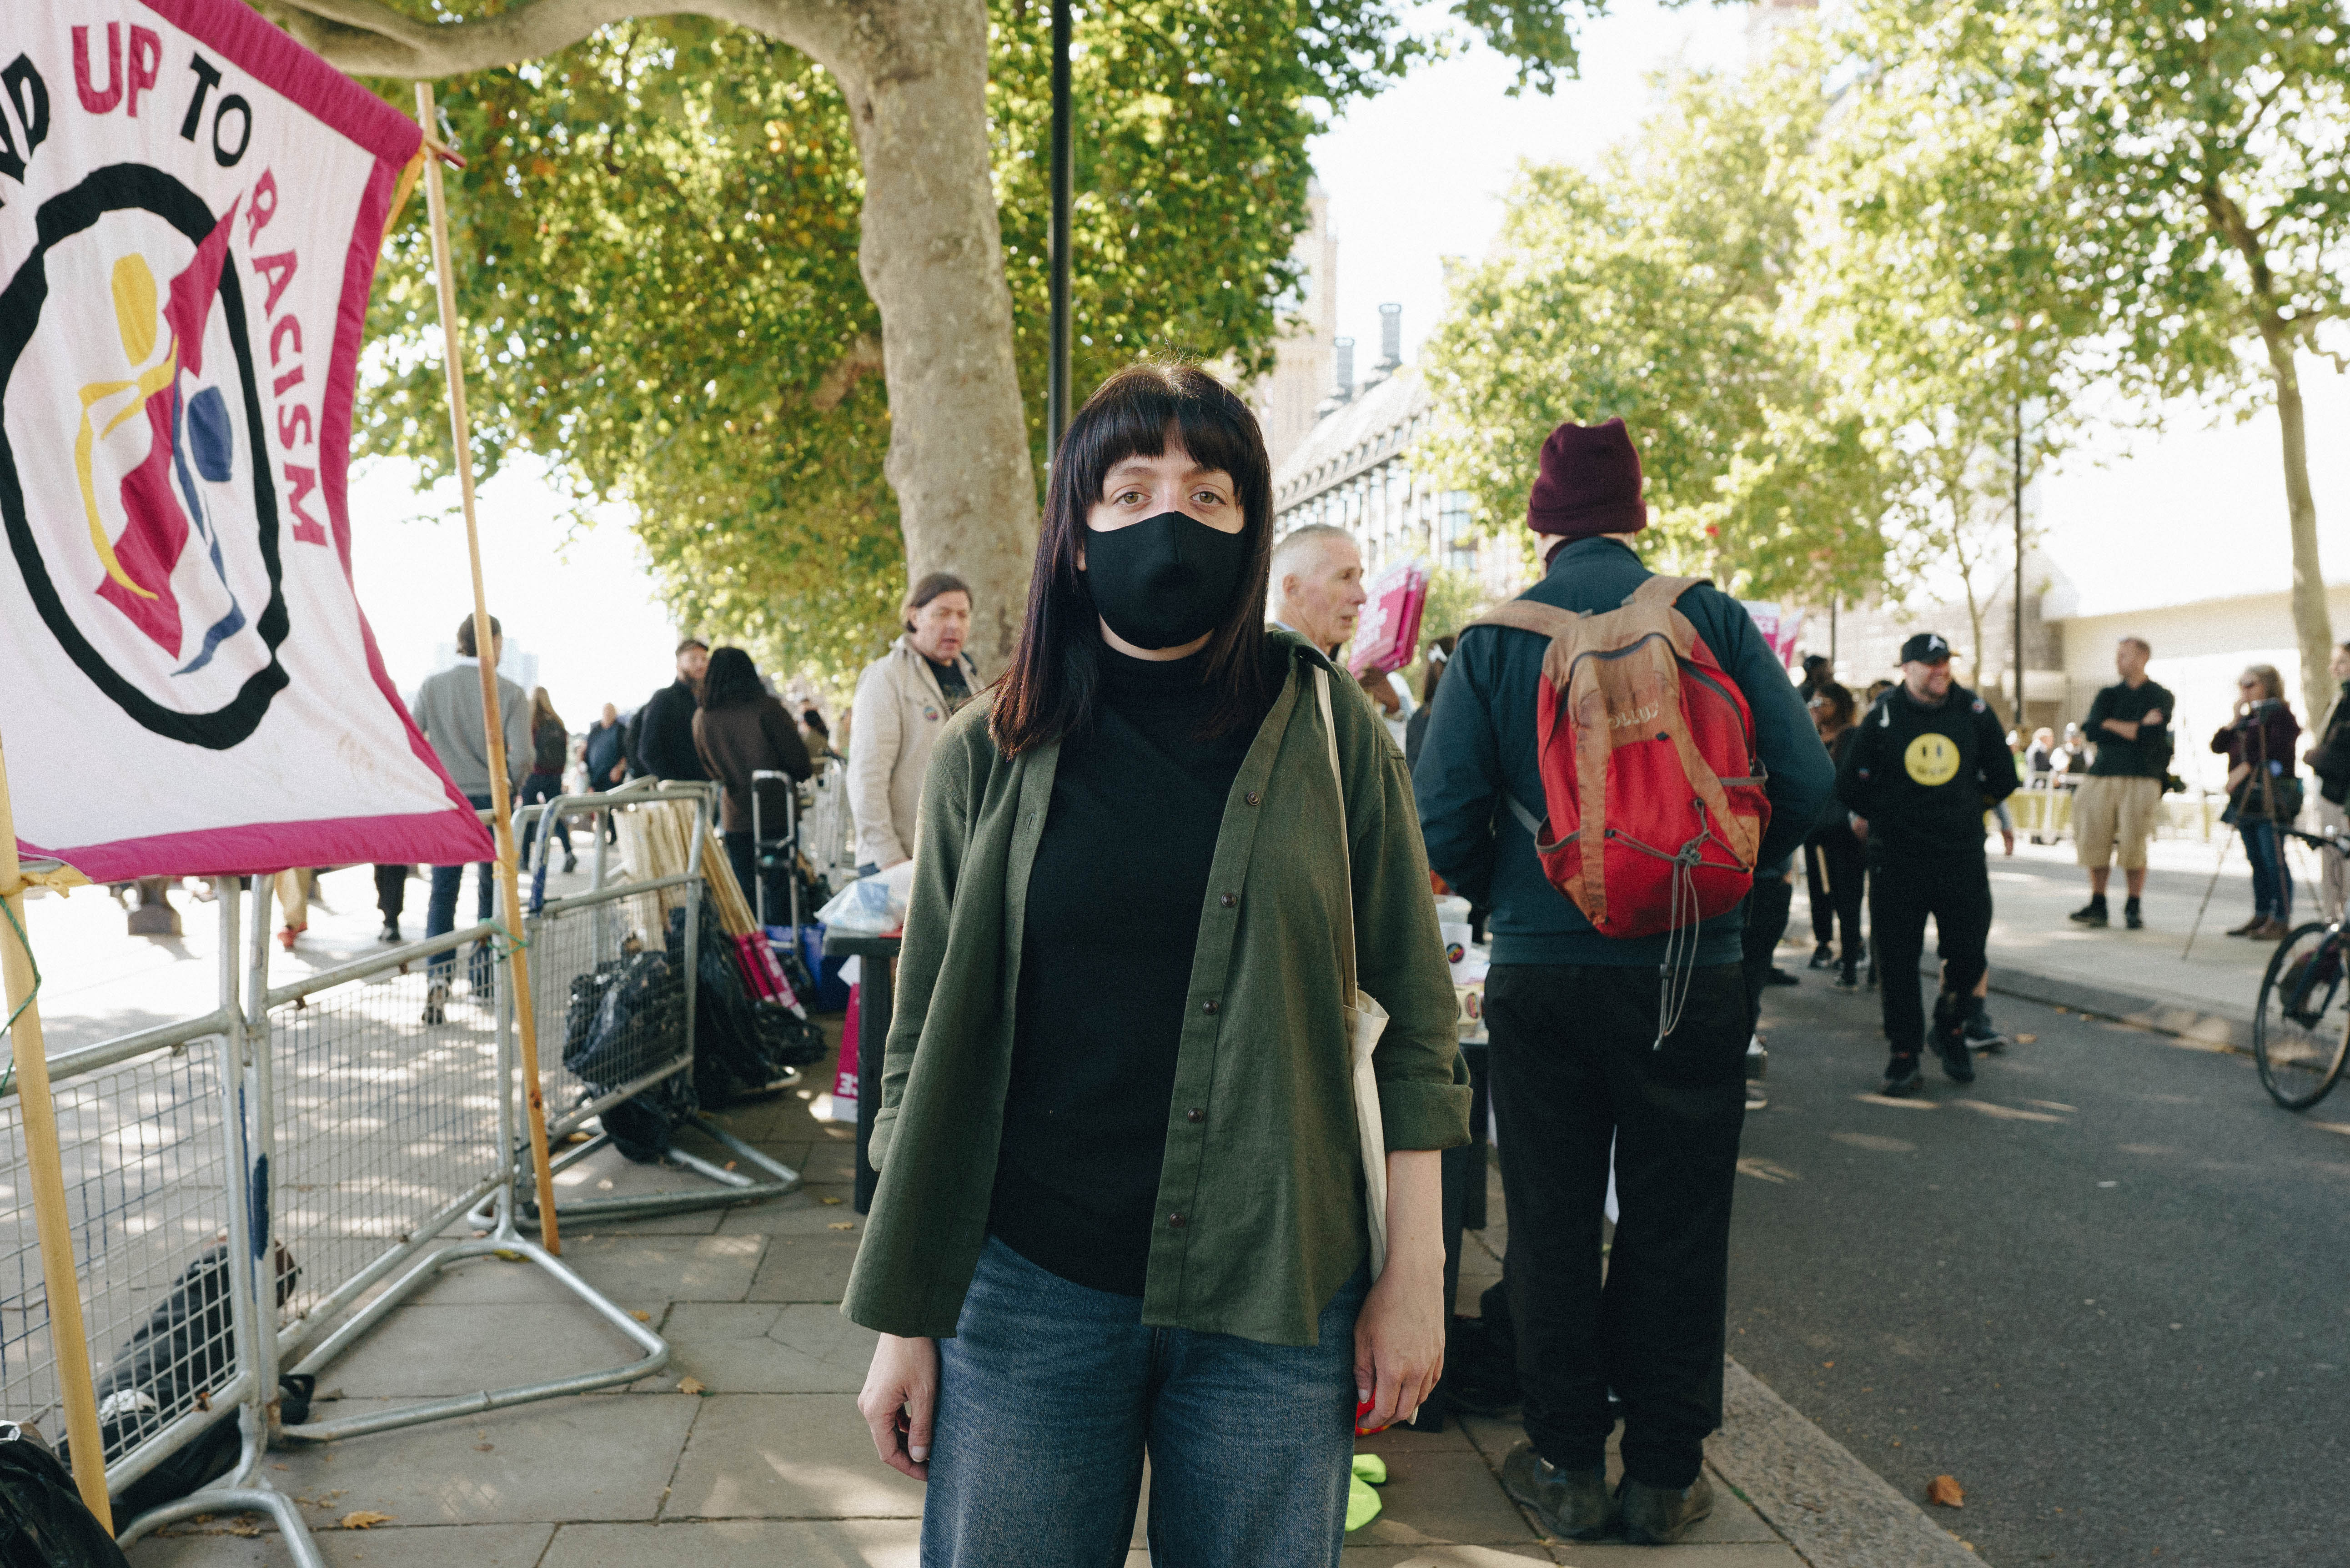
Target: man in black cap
[{"x": 1927, "y": 763}]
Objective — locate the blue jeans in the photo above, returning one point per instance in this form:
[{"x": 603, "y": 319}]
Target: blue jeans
[
  {"x": 539, "y": 787},
  {"x": 2271, "y": 878},
  {"x": 441, "y": 910},
  {"x": 1050, "y": 1394}
]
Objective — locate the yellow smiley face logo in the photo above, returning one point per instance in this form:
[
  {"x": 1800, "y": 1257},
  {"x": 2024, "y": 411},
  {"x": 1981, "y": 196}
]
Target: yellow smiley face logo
[{"x": 1932, "y": 760}]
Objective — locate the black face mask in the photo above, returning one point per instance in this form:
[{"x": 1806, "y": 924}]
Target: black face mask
[{"x": 1164, "y": 581}]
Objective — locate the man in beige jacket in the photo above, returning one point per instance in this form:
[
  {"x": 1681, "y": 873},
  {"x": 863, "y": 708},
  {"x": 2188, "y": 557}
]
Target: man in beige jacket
[{"x": 903, "y": 700}]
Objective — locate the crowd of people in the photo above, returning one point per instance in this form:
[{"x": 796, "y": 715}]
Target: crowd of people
[{"x": 1157, "y": 1176}]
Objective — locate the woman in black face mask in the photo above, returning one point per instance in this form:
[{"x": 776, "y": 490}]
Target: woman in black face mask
[{"x": 1124, "y": 1206}]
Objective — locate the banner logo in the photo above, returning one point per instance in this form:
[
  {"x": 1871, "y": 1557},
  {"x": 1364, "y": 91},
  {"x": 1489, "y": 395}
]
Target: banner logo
[{"x": 131, "y": 410}]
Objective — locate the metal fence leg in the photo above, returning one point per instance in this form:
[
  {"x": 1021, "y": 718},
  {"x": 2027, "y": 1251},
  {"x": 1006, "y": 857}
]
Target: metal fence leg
[
  {"x": 506, "y": 1241},
  {"x": 253, "y": 1261}
]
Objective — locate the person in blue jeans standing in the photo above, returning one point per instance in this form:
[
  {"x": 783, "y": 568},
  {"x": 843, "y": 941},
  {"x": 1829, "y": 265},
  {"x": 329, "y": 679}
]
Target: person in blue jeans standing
[
  {"x": 1121, "y": 1212},
  {"x": 449, "y": 711}
]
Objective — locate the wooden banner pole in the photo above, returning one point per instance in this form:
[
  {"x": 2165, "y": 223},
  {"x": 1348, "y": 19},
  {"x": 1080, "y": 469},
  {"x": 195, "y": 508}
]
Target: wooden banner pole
[
  {"x": 45, "y": 1170},
  {"x": 501, "y": 804}
]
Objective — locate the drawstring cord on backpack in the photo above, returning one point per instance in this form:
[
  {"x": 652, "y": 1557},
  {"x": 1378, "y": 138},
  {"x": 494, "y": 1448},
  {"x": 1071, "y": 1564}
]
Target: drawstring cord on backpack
[{"x": 1681, "y": 943}]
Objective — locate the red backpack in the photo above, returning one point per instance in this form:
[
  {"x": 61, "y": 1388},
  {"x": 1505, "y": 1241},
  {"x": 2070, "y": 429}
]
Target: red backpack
[{"x": 1647, "y": 752}]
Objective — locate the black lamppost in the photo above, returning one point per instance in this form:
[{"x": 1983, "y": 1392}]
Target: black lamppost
[
  {"x": 2019, "y": 561},
  {"x": 1056, "y": 393}
]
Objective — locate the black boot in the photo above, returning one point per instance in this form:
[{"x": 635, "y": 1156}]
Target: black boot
[
  {"x": 1950, "y": 1040},
  {"x": 2132, "y": 916},
  {"x": 2091, "y": 913}
]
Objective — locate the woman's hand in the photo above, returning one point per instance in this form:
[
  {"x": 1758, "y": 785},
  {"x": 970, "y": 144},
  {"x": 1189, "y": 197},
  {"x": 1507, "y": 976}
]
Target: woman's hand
[
  {"x": 1400, "y": 1334},
  {"x": 901, "y": 1397}
]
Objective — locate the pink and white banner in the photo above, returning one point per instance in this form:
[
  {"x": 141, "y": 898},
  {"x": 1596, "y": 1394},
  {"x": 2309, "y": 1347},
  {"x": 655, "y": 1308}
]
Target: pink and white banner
[
  {"x": 191, "y": 206},
  {"x": 1781, "y": 627}
]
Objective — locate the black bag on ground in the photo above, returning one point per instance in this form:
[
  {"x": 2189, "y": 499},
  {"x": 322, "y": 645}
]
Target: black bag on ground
[
  {"x": 43, "y": 1521},
  {"x": 786, "y": 1040},
  {"x": 623, "y": 1019},
  {"x": 730, "y": 1058},
  {"x": 172, "y": 1365}
]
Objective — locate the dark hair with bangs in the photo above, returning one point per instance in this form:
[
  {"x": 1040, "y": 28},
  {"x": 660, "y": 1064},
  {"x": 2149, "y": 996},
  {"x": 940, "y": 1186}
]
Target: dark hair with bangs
[{"x": 1057, "y": 669}]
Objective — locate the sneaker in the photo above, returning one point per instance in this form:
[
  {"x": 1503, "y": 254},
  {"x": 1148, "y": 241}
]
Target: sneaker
[
  {"x": 2249, "y": 927},
  {"x": 1659, "y": 1516},
  {"x": 570, "y": 862},
  {"x": 1903, "y": 1075},
  {"x": 390, "y": 932},
  {"x": 2132, "y": 917},
  {"x": 1848, "y": 977},
  {"x": 436, "y": 1003},
  {"x": 1571, "y": 1505},
  {"x": 1756, "y": 1100},
  {"x": 1958, "y": 1061},
  {"x": 2269, "y": 930},
  {"x": 2091, "y": 913},
  {"x": 1982, "y": 1034},
  {"x": 1823, "y": 956}
]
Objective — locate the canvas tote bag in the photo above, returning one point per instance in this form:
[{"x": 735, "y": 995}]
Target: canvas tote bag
[{"x": 1365, "y": 1019}]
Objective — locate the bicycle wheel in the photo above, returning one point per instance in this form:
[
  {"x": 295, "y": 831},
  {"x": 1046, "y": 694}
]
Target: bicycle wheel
[{"x": 2302, "y": 1030}]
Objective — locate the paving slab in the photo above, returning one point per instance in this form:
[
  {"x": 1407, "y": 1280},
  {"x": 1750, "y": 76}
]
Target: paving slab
[
  {"x": 1684, "y": 1554},
  {"x": 420, "y": 1351},
  {"x": 560, "y": 1460},
  {"x": 763, "y": 1348},
  {"x": 786, "y": 1456},
  {"x": 801, "y": 1213},
  {"x": 1448, "y": 1556},
  {"x": 630, "y": 1269},
  {"x": 802, "y": 1268},
  {"x": 741, "y": 1543},
  {"x": 1437, "y": 1496},
  {"x": 439, "y": 1546}
]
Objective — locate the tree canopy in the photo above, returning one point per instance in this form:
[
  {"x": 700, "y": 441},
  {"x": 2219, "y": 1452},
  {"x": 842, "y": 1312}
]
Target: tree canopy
[
  {"x": 1656, "y": 288},
  {"x": 658, "y": 234}
]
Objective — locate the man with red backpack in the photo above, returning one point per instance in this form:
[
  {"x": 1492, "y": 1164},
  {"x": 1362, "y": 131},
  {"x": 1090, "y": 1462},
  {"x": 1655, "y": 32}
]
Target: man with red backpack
[{"x": 1616, "y": 1001}]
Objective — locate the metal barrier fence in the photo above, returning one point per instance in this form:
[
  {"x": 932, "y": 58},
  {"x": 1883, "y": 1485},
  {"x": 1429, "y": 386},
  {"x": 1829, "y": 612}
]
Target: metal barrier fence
[{"x": 266, "y": 1182}]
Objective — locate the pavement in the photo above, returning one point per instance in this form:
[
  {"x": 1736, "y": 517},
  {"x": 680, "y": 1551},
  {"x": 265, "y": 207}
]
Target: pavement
[
  {"x": 2101, "y": 1287},
  {"x": 747, "y": 1449}
]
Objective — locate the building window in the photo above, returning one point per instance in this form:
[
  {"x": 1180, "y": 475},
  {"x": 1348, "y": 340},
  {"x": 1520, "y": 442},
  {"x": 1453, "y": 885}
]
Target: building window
[{"x": 1452, "y": 526}]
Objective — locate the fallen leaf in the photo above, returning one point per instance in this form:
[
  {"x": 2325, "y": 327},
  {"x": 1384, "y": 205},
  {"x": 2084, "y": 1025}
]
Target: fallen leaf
[
  {"x": 833, "y": 1201},
  {"x": 484, "y": 1448},
  {"x": 2027, "y": 1040},
  {"x": 842, "y": 1225},
  {"x": 730, "y": 1165},
  {"x": 691, "y": 1386},
  {"x": 642, "y": 1316},
  {"x": 364, "y": 1518},
  {"x": 1945, "y": 1490},
  {"x": 1827, "y": 1363}
]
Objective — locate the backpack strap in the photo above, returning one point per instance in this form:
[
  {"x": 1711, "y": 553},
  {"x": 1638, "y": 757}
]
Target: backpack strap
[
  {"x": 1526, "y": 615},
  {"x": 1663, "y": 592}
]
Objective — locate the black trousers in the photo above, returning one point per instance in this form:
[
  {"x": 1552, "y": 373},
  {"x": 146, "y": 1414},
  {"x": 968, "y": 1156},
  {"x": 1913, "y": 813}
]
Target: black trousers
[
  {"x": 391, "y": 891},
  {"x": 1766, "y": 922},
  {"x": 1835, "y": 869},
  {"x": 1577, "y": 1067},
  {"x": 1955, "y": 890}
]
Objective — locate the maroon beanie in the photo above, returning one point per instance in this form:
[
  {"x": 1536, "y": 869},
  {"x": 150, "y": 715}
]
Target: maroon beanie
[{"x": 1589, "y": 483}]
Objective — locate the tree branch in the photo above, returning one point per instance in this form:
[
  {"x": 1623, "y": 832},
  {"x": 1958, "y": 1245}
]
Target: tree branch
[{"x": 366, "y": 37}]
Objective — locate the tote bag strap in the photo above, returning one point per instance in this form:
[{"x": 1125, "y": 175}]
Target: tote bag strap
[{"x": 1346, "y": 842}]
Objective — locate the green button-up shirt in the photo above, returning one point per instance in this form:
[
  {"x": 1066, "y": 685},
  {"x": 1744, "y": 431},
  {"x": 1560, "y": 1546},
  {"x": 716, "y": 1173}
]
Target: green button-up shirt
[{"x": 1261, "y": 1208}]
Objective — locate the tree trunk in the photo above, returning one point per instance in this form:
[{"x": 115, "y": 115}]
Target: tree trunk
[
  {"x": 2312, "y": 621},
  {"x": 915, "y": 73},
  {"x": 932, "y": 258}
]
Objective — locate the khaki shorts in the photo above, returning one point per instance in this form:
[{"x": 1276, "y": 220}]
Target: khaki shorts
[{"x": 2110, "y": 814}]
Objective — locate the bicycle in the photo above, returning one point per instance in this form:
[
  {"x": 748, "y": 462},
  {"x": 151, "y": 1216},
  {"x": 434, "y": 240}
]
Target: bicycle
[{"x": 2301, "y": 1030}]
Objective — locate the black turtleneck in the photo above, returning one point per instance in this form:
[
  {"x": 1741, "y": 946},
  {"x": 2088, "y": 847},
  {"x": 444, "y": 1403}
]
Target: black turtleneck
[{"x": 1113, "y": 914}]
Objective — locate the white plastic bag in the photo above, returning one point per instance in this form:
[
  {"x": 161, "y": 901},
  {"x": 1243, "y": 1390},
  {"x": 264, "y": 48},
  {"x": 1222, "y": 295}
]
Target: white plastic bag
[{"x": 871, "y": 906}]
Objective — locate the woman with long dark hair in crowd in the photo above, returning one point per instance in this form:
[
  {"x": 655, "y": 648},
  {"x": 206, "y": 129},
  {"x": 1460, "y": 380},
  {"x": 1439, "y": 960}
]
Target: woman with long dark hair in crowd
[
  {"x": 2263, "y": 793},
  {"x": 738, "y": 730},
  {"x": 550, "y": 749},
  {"x": 1835, "y": 861},
  {"x": 1122, "y": 1209}
]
